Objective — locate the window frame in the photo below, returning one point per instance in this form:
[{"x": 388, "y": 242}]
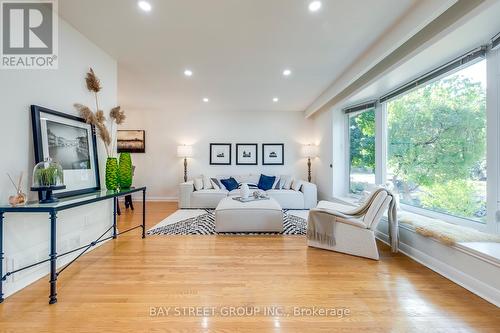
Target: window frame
[
  {"x": 492, "y": 223},
  {"x": 348, "y": 147}
]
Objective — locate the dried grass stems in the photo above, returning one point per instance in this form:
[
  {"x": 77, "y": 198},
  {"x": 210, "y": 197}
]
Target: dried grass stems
[{"x": 97, "y": 118}]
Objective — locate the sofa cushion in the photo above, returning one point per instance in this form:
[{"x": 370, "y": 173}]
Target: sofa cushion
[
  {"x": 266, "y": 182},
  {"x": 207, "y": 198},
  {"x": 286, "y": 182},
  {"x": 198, "y": 184},
  {"x": 211, "y": 192},
  {"x": 207, "y": 183},
  {"x": 288, "y": 199},
  {"x": 216, "y": 183},
  {"x": 248, "y": 178},
  {"x": 230, "y": 183},
  {"x": 297, "y": 184}
]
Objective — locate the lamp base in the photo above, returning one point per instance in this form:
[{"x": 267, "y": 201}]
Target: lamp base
[
  {"x": 185, "y": 170},
  {"x": 309, "y": 170}
]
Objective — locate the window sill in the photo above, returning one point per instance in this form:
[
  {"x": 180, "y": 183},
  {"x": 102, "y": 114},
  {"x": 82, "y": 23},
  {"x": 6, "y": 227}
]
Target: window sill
[{"x": 486, "y": 251}]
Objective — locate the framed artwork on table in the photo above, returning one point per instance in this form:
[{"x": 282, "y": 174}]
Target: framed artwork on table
[
  {"x": 71, "y": 142},
  {"x": 246, "y": 154},
  {"x": 131, "y": 141},
  {"x": 273, "y": 154},
  {"x": 220, "y": 154}
]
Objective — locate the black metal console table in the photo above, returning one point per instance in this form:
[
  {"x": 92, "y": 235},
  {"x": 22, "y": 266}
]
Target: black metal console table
[{"x": 52, "y": 209}]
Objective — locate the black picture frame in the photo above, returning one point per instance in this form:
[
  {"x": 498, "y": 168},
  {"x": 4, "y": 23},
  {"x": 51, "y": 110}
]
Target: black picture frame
[
  {"x": 39, "y": 149},
  {"x": 213, "y": 160},
  {"x": 139, "y": 150},
  {"x": 265, "y": 159},
  {"x": 238, "y": 157}
]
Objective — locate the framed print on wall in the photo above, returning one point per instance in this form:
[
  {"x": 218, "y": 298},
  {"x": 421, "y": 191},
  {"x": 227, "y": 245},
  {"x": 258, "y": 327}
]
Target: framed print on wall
[
  {"x": 246, "y": 153},
  {"x": 220, "y": 154},
  {"x": 71, "y": 142},
  {"x": 273, "y": 154},
  {"x": 131, "y": 141}
]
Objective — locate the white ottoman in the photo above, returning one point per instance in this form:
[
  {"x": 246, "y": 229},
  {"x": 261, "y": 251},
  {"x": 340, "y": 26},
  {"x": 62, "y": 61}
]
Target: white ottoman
[{"x": 254, "y": 216}]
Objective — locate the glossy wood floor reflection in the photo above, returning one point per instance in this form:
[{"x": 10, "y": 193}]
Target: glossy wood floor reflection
[{"x": 117, "y": 286}]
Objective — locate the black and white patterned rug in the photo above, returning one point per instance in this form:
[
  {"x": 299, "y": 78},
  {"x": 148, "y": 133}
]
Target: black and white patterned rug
[{"x": 203, "y": 223}]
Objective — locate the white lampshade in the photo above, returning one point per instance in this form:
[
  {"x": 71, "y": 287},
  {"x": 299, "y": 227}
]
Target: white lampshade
[
  {"x": 310, "y": 151},
  {"x": 184, "y": 151}
]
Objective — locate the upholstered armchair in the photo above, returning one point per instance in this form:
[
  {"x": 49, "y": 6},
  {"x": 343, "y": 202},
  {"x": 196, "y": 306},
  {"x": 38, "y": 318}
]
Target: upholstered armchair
[{"x": 352, "y": 234}]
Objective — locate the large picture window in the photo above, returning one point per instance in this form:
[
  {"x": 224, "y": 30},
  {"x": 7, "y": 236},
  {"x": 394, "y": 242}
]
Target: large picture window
[
  {"x": 362, "y": 151},
  {"x": 436, "y": 142}
]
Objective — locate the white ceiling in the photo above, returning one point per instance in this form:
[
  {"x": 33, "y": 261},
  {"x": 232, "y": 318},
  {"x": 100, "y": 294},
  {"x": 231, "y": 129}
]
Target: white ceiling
[
  {"x": 476, "y": 30},
  {"x": 237, "y": 49}
]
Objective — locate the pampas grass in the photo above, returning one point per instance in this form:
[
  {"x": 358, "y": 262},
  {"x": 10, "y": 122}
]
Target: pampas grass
[
  {"x": 93, "y": 82},
  {"x": 97, "y": 118}
]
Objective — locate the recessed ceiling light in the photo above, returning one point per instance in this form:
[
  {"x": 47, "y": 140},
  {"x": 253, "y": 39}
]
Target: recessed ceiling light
[
  {"x": 287, "y": 72},
  {"x": 275, "y": 99},
  {"x": 188, "y": 72},
  {"x": 314, "y": 6},
  {"x": 206, "y": 100},
  {"x": 144, "y": 5}
]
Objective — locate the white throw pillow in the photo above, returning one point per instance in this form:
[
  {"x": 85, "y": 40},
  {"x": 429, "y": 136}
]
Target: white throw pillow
[
  {"x": 207, "y": 183},
  {"x": 287, "y": 182},
  {"x": 297, "y": 184},
  {"x": 198, "y": 184}
]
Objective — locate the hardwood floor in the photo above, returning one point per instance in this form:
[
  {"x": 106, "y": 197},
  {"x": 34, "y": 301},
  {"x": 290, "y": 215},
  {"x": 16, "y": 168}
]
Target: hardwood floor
[{"x": 119, "y": 285}]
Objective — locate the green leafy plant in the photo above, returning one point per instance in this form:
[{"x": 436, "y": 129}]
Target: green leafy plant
[{"x": 47, "y": 177}]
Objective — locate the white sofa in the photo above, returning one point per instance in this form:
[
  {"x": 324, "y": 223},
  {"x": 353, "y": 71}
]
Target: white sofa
[{"x": 304, "y": 198}]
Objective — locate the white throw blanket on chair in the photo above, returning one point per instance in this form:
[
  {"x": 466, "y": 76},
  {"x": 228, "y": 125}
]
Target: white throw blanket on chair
[{"x": 320, "y": 225}]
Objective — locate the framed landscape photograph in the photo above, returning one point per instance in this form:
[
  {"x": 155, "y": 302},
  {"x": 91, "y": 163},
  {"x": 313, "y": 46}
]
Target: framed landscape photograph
[
  {"x": 273, "y": 154},
  {"x": 71, "y": 142},
  {"x": 131, "y": 141},
  {"x": 220, "y": 154},
  {"x": 246, "y": 154}
]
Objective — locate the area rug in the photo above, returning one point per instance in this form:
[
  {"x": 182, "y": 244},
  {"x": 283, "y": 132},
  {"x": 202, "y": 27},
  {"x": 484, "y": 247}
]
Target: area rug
[{"x": 202, "y": 222}]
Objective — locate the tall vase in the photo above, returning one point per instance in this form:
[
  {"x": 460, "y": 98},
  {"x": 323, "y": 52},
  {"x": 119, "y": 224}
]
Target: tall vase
[
  {"x": 112, "y": 173},
  {"x": 125, "y": 170}
]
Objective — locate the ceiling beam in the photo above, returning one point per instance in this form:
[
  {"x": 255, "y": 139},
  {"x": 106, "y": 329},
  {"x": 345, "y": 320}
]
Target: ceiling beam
[{"x": 443, "y": 23}]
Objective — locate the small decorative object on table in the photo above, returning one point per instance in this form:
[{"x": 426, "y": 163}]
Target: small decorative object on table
[
  {"x": 260, "y": 195},
  {"x": 125, "y": 170},
  {"x": 20, "y": 198},
  {"x": 47, "y": 177},
  {"x": 112, "y": 174},
  {"x": 244, "y": 190}
]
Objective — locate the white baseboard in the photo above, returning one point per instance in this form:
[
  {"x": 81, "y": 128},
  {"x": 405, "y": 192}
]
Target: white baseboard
[
  {"x": 167, "y": 199},
  {"x": 148, "y": 198},
  {"x": 478, "y": 287}
]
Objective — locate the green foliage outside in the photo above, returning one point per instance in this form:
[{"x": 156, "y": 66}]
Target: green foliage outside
[
  {"x": 436, "y": 146},
  {"x": 362, "y": 135}
]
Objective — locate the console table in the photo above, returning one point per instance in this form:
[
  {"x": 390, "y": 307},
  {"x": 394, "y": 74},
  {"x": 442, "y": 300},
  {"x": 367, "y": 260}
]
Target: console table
[{"x": 52, "y": 209}]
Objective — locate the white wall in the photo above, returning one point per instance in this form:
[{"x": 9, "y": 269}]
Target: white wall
[
  {"x": 26, "y": 238},
  {"x": 161, "y": 170},
  {"x": 323, "y": 127}
]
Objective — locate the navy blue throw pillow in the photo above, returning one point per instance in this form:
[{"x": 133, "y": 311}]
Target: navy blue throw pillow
[
  {"x": 266, "y": 182},
  {"x": 230, "y": 183}
]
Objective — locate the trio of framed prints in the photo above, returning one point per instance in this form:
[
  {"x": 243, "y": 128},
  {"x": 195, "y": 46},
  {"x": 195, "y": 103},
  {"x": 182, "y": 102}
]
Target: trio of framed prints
[{"x": 247, "y": 154}]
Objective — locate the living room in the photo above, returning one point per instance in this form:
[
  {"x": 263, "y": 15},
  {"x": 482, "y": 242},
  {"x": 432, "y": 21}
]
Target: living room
[{"x": 281, "y": 166}]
